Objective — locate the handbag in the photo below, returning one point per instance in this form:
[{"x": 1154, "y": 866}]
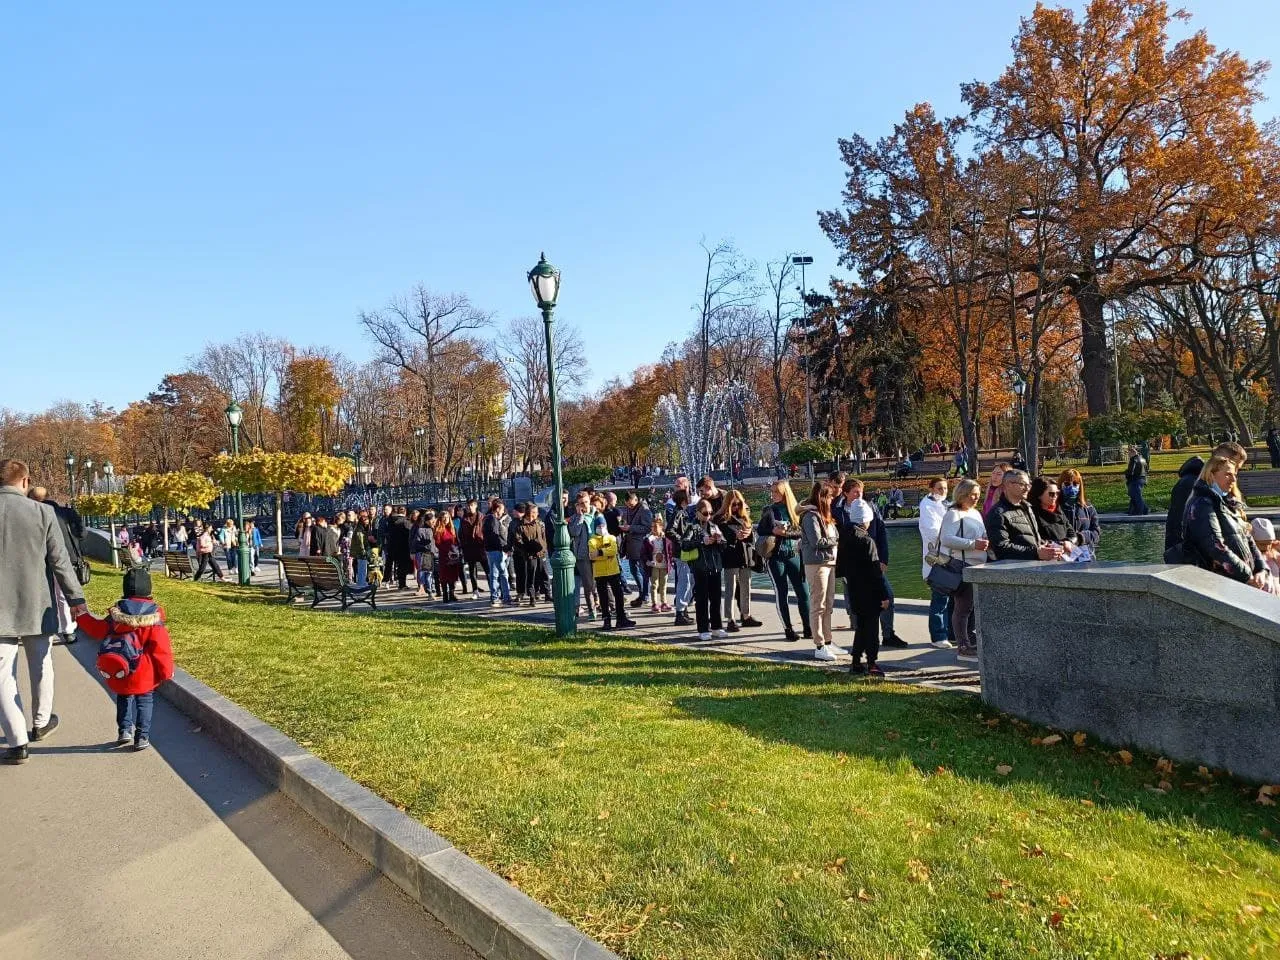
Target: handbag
[
  {"x": 83, "y": 573},
  {"x": 764, "y": 549},
  {"x": 946, "y": 574},
  {"x": 946, "y": 578}
]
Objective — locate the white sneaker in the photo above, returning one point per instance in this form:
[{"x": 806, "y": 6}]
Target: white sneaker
[
  {"x": 824, "y": 653},
  {"x": 719, "y": 634},
  {"x": 943, "y": 644},
  {"x": 704, "y": 636}
]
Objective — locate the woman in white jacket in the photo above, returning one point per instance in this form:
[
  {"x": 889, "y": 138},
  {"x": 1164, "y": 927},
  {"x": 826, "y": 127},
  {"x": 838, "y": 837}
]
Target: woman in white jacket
[
  {"x": 964, "y": 537},
  {"x": 932, "y": 509}
]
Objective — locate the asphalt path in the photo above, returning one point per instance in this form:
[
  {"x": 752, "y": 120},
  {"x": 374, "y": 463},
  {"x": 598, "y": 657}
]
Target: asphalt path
[{"x": 178, "y": 851}]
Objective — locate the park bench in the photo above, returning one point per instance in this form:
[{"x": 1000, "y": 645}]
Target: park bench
[
  {"x": 324, "y": 579},
  {"x": 127, "y": 560},
  {"x": 1259, "y": 483},
  {"x": 177, "y": 563}
]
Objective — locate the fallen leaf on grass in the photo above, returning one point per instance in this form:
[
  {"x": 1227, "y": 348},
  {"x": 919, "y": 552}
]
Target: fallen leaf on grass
[
  {"x": 1267, "y": 794},
  {"x": 1035, "y": 850},
  {"x": 604, "y": 815},
  {"x": 1064, "y": 901},
  {"x": 1164, "y": 785},
  {"x": 1055, "y": 920},
  {"x": 535, "y": 821},
  {"x": 1164, "y": 765},
  {"x": 1004, "y": 769},
  {"x": 864, "y": 896},
  {"x": 1125, "y": 757},
  {"x": 1086, "y": 803},
  {"x": 1050, "y": 740},
  {"x": 892, "y": 735},
  {"x": 1079, "y": 739},
  {"x": 1250, "y": 909},
  {"x": 917, "y": 871},
  {"x": 837, "y": 865},
  {"x": 993, "y": 722}
]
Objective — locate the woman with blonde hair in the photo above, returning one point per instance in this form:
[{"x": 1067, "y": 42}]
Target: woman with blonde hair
[
  {"x": 779, "y": 529},
  {"x": 1078, "y": 511},
  {"x": 963, "y": 537},
  {"x": 735, "y": 520},
  {"x": 1214, "y": 536}
]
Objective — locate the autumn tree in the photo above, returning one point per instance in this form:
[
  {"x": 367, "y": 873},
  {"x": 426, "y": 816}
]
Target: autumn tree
[
  {"x": 309, "y": 395},
  {"x": 410, "y": 334},
  {"x": 916, "y": 229},
  {"x": 177, "y": 427},
  {"x": 1154, "y": 145},
  {"x": 523, "y": 353},
  {"x": 249, "y": 369}
]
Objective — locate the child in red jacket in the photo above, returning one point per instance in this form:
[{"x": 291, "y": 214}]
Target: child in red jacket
[{"x": 134, "y": 657}]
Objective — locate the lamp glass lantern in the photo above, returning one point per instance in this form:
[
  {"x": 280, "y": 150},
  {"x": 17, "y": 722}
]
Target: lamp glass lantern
[
  {"x": 234, "y": 415},
  {"x": 544, "y": 281}
]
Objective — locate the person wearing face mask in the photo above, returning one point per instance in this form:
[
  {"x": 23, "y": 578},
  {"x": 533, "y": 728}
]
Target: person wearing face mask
[
  {"x": 1053, "y": 524},
  {"x": 1080, "y": 513},
  {"x": 1214, "y": 537}
]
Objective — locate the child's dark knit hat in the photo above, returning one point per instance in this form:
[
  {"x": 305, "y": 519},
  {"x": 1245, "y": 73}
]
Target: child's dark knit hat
[{"x": 137, "y": 583}]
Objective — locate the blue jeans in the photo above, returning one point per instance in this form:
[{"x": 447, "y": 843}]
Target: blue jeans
[
  {"x": 496, "y": 571},
  {"x": 939, "y": 616},
  {"x": 1137, "y": 505},
  {"x": 133, "y": 714},
  {"x": 786, "y": 570},
  {"x": 640, "y": 574},
  {"x": 362, "y": 572},
  {"x": 684, "y": 586}
]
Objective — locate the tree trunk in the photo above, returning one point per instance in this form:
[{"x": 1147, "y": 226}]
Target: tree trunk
[{"x": 1094, "y": 358}]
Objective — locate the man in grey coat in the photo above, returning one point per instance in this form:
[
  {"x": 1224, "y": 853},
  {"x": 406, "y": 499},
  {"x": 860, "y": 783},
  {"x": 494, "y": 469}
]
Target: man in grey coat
[{"x": 32, "y": 557}]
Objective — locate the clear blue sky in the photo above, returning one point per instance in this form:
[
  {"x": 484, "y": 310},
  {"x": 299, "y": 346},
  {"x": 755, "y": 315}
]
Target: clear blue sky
[{"x": 172, "y": 175}]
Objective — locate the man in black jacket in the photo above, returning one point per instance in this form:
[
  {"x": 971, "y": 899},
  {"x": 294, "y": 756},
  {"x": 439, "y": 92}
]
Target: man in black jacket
[
  {"x": 72, "y": 527},
  {"x": 1135, "y": 479},
  {"x": 1011, "y": 524}
]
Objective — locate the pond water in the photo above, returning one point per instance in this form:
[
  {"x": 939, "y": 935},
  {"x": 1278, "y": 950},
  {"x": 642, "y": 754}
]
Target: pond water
[{"x": 1135, "y": 542}]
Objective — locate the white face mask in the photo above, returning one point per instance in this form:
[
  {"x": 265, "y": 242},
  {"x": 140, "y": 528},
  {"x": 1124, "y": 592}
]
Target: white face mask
[{"x": 937, "y": 496}]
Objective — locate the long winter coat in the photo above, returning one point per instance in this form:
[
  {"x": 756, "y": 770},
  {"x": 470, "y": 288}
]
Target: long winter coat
[
  {"x": 471, "y": 534},
  {"x": 639, "y": 522},
  {"x": 859, "y": 564},
  {"x": 32, "y": 555},
  {"x": 1188, "y": 474}
]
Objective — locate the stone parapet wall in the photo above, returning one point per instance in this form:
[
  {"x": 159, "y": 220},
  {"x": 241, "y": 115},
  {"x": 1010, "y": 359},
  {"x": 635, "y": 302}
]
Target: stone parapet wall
[{"x": 1171, "y": 659}]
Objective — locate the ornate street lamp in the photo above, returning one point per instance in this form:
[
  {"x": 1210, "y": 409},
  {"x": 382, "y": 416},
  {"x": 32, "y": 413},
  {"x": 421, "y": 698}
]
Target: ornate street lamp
[
  {"x": 244, "y": 565},
  {"x": 108, "y": 471},
  {"x": 544, "y": 281},
  {"x": 1020, "y": 388},
  {"x": 1140, "y": 384},
  {"x": 71, "y": 476}
]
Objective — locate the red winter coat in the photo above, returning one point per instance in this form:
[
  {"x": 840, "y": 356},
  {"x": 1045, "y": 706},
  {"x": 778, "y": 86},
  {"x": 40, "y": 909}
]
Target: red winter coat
[
  {"x": 140, "y": 615},
  {"x": 449, "y": 564}
]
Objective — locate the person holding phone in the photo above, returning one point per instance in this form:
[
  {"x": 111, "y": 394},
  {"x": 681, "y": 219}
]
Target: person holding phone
[{"x": 705, "y": 536}]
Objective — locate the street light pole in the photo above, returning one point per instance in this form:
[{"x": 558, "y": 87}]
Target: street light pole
[
  {"x": 1019, "y": 388},
  {"x": 802, "y": 262},
  {"x": 1140, "y": 383},
  {"x": 544, "y": 279},
  {"x": 71, "y": 476},
  {"x": 108, "y": 471},
  {"x": 245, "y": 554}
]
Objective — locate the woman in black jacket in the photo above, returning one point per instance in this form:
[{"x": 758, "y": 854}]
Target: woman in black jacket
[
  {"x": 734, "y": 519},
  {"x": 1053, "y": 524},
  {"x": 1214, "y": 536}
]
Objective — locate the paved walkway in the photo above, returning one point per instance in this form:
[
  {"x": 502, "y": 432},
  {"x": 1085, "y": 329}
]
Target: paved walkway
[
  {"x": 916, "y": 663},
  {"x": 178, "y": 852}
]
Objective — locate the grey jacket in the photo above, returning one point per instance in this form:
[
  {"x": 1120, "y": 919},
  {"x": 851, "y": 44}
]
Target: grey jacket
[
  {"x": 32, "y": 555},
  {"x": 818, "y": 540}
]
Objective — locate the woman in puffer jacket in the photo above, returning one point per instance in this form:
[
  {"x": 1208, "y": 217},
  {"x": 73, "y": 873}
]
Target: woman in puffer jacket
[{"x": 1214, "y": 537}]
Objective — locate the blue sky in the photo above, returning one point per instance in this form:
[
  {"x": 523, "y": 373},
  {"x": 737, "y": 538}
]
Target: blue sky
[{"x": 179, "y": 173}]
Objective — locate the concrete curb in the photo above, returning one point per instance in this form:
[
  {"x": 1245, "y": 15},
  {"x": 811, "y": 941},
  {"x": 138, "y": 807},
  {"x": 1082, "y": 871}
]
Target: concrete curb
[{"x": 493, "y": 917}]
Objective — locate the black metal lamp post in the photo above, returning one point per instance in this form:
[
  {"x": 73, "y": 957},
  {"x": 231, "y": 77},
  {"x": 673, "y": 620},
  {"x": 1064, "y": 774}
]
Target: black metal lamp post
[
  {"x": 544, "y": 280},
  {"x": 1020, "y": 388},
  {"x": 244, "y": 566},
  {"x": 71, "y": 476},
  {"x": 108, "y": 471}
]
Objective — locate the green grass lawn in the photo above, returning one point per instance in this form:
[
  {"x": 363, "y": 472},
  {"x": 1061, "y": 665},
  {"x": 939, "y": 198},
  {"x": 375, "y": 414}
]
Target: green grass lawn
[{"x": 687, "y": 805}]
